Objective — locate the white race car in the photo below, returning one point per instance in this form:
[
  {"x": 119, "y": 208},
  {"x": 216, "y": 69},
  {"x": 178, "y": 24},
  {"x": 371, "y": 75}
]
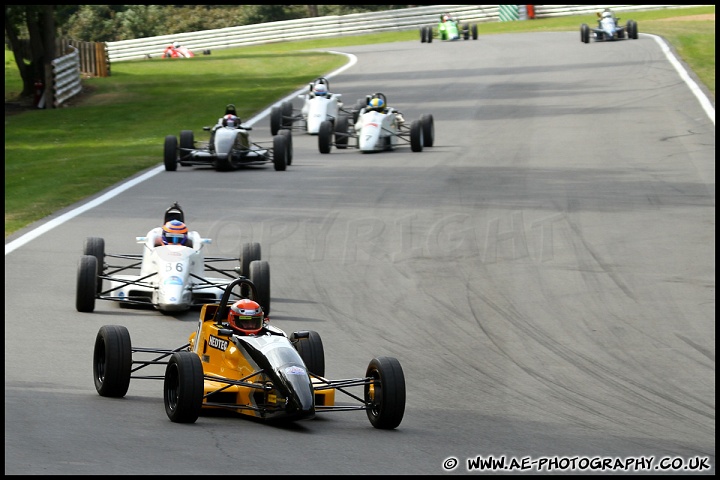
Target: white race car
[
  {"x": 376, "y": 128},
  {"x": 228, "y": 148},
  {"x": 319, "y": 105},
  {"x": 170, "y": 277}
]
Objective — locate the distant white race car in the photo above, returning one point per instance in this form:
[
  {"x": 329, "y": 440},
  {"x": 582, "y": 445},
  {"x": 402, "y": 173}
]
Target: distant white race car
[
  {"x": 376, "y": 128},
  {"x": 609, "y": 29},
  {"x": 169, "y": 278},
  {"x": 319, "y": 105}
]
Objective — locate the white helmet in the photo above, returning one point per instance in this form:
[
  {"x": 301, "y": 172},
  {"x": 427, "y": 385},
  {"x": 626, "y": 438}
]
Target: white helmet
[
  {"x": 321, "y": 89},
  {"x": 606, "y": 14},
  {"x": 176, "y": 44}
]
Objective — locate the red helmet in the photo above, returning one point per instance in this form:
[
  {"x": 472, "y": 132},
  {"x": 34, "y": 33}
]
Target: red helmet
[
  {"x": 246, "y": 316},
  {"x": 174, "y": 232}
]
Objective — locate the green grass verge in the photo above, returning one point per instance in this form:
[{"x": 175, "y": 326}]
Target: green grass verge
[{"x": 56, "y": 157}]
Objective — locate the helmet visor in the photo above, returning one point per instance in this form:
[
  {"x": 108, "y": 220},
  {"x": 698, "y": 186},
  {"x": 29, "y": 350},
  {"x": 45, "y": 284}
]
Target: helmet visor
[{"x": 175, "y": 238}]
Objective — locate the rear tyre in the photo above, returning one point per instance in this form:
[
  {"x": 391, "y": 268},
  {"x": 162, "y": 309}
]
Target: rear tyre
[
  {"x": 325, "y": 136},
  {"x": 474, "y": 31},
  {"x": 260, "y": 276},
  {"x": 95, "y": 246},
  {"x": 280, "y": 153},
  {"x": 341, "y": 132},
  {"x": 112, "y": 361},
  {"x": 385, "y": 396},
  {"x": 422, "y": 34},
  {"x": 428, "y": 129},
  {"x": 288, "y": 141},
  {"x": 170, "y": 153},
  {"x": 184, "y": 387},
  {"x": 87, "y": 280},
  {"x": 275, "y": 120},
  {"x": 311, "y": 351},
  {"x": 416, "y": 136}
]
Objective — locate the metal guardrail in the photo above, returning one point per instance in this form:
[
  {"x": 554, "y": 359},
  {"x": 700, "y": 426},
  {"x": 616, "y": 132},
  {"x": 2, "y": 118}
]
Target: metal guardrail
[
  {"x": 66, "y": 72},
  {"x": 338, "y": 26}
]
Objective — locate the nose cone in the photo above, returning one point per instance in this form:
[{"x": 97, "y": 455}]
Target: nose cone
[{"x": 301, "y": 397}]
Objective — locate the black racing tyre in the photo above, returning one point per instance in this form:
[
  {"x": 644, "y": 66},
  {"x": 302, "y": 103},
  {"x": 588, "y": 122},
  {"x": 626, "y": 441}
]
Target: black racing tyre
[
  {"x": 260, "y": 276},
  {"x": 416, "y": 136},
  {"x": 184, "y": 387},
  {"x": 466, "y": 32},
  {"x": 249, "y": 252},
  {"x": 287, "y": 114},
  {"x": 280, "y": 152},
  {"x": 474, "y": 31},
  {"x": 428, "y": 129},
  {"x": 112, "y": 361},
  {"x": 341, "y": 131},
  {"x": 633, "y": 33},
  {"x": 288, "y": 141},
  {"x": 87, "y": 281},
  {"x": 170, "y": 153},
  {"x": 429, "y": 35},
  {"x": 422, "y": 34},
  {"x": 325, "y": 136},
  {"x": 311, "y": 351},
  {"x": 385, "y": 397},
  {"x": 187, "y": 141},
  {"x": 275, "y": 120},
  {"x": 584, "y": 33},
  {"x": 95, "y": 246}
]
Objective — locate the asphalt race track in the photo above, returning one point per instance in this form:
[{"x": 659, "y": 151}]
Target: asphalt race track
[{"x": 545, "y": 274}]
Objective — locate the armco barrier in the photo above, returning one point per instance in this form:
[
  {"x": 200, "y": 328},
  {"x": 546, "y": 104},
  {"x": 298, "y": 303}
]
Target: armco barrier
[{"x": 338, "y": 26}]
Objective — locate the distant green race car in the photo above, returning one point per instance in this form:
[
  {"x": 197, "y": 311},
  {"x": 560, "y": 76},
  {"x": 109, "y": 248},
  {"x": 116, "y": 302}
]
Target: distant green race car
[{"x": 449, "y": 29}]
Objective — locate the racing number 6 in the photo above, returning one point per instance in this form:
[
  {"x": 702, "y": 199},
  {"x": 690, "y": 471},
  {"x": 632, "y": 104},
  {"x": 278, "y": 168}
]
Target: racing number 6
[{"x": 169, "y": 267}]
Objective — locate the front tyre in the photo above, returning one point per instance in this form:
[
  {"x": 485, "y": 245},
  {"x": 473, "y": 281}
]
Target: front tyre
[
  {"x": 428, "y": 129},
  {"x": 288, "y": 141},
  {"x": 87, "y": 284},
  {"x": 170, "y": 153},
  {"x": 385, "y": 395},
  {"x": 260, "y": 276},
  {"x": 584, "y": 33},
  {"x": 311, "y": 351},
  {"x": 341, "y": 132},
  {"x": 416, "y": 136},
  {"x": 325, "y": 136},
  {"x": 187, "y": 141},
  {"x": 112, "y": 361},
  {"x": 280, "y": 152},
  {"x": 183, "y": 388}
]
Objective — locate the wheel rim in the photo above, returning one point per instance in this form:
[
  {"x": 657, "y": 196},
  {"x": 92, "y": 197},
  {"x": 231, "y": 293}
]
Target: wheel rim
[
  {"x": 100, "y": 364},
  {"x": 373, "y": 394},
  {"x": 171, "y": 389}
]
